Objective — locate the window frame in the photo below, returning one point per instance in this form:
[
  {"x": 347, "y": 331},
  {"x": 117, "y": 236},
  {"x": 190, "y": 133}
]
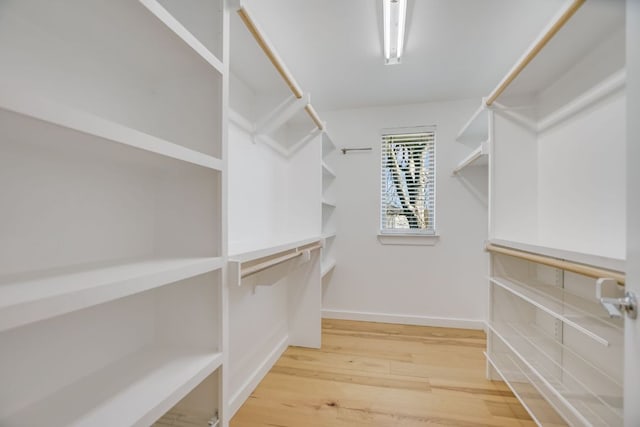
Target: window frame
[{"x": 407, "y": 236}]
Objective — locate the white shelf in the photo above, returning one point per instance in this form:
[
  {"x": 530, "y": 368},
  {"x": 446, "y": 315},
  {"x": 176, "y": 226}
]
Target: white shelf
[
  {"x": 328, "y": 145},
  {"x": 329, "y": 235},
  {"x": 254, "y": 254},
  {"x": 103, "y": 130},
  {"x": 533, "y": 400},
  {"x": 615, "y": 264},
  {"x": 327, "y": 266},
  {"x": 478, "y": 157},
  {"x": 31, "y": 297},
  {"x": 329, "y": 203},
  {"x": 179, "y": 30},
  {"x": 134, "y": 391},
  {"x": 476, "y": 130},
  {"x": 566, "y": 374},
  {"x": 585, "y": 316},
  {"x": 327, "y": 171},
  {"x": 241, "y": 121}
]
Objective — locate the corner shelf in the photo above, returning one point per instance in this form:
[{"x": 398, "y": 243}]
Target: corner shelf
[
  {"x": 154, "y": 378},
  {"x": 37, "y": 296},
  {"x": 329, "y": 176},
  {"x": 478, "y": 157},
  {"x": 327, "y": 266},
  {"x": 327, "y": 172},
  {"x": 477, "y": 127},
  {"x": 476, "y": 133}
]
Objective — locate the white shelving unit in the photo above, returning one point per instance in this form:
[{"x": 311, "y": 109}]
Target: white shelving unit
[
  {"x": 266, "y": 100},
  {"x": 112, "y": 161},
  {"x": 329, "y": 152},
  {"x": 476, "y": 133},
  {"x": 548, "y": 131},
  {"x": 548, "y": 336}
]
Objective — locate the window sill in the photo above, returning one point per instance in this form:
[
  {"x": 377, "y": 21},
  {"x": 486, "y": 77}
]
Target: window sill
[{"x": 409, "y": 239}]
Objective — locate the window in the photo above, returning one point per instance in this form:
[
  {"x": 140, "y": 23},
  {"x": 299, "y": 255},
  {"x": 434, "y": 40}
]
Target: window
[{"x": 408, "y": 181}]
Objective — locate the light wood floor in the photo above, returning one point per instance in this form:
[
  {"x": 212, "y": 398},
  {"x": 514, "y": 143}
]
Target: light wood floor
[{"x": 374, "y": 374}]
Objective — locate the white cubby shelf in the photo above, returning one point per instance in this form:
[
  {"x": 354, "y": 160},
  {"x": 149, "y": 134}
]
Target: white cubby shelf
[
  {"x": 155, "y": 378},
  {"x": 113, "y": 249},
  {"x": 28, "y": 298},
  {"x": 93, "y": 129}
]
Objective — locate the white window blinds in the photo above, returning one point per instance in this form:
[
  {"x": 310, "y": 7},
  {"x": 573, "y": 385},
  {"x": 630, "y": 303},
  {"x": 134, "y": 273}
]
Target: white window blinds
[{"x": 408, "y": 182}]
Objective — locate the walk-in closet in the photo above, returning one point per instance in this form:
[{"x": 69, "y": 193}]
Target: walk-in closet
[{"x": 258, "y": 213}]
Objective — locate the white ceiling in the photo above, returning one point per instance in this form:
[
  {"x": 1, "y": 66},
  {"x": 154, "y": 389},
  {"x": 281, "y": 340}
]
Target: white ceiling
[{"x": 454, "y": 49}]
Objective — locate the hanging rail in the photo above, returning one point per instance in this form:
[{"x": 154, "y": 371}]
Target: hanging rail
[
  {"x": 271, "y": 54},
  {"x": 251, "y": 263},
  {"x": 585, "y": 270},
  {"x": 278, "y": 64},
  {"x": 257, "y": 268},
  {"x": 533, "y": 52},
  {"x": 314, "y": 116}
]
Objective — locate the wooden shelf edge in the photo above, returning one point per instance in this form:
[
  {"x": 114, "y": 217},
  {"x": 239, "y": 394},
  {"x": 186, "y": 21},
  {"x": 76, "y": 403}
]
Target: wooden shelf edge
[
  {"x": 613, "y": 266},
  {"x": 90, "y": 124},
  {"x": 268, "y": 50}
]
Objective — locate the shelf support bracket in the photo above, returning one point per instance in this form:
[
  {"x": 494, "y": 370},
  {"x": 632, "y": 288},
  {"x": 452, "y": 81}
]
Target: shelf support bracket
[{"x": 279, "y": 115}]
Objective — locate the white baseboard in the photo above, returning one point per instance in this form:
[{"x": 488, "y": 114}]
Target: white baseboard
[
  {"x": 240, "y": 396},
  {"x": 445, "y": 322}
]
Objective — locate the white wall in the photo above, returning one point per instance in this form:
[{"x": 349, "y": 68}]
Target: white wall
[
  {"x": 439, "y": 285},
  {"x": 632, "y": 327},
  {"x": 273, "y": 200}
]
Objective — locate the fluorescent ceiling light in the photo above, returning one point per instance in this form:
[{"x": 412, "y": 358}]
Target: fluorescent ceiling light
[{"x": 394, "y": 14}]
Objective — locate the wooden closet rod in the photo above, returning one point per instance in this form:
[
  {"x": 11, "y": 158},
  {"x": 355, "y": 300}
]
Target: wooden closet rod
[
  {"x": 314, "y": 116},
  {"x": 275, "y": 261},
  {"x": 533, "y": 52},
  {"x": 273, "y": 57},
  {"x": 585, "y": 270}
]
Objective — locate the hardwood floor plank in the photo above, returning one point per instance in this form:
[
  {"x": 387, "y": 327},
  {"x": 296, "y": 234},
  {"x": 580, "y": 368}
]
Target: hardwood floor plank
[{"x": 374, "y": 374}]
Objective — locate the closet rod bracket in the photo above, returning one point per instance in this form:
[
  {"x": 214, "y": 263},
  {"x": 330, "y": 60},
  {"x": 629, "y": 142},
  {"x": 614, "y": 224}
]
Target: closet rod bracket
[{"x": 615, "y": 306}]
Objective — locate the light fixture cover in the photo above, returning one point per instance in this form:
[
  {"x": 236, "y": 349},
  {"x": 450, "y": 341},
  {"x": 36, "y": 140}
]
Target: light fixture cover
[{"x": 394, "y": 15}]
